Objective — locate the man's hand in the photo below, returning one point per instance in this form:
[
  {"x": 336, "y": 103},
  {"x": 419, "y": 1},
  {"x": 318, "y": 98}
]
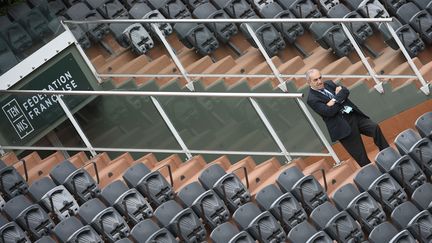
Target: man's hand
[
  {"x": 331, "y": 102},
  {"x": 338, "y": 89}
]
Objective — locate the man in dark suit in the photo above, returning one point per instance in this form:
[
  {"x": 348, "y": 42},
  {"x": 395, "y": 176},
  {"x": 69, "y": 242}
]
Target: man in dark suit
[{"x": 344, "y": 120}]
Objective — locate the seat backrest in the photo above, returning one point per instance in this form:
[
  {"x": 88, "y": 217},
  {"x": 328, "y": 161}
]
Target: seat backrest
[
  {"x": 148, "y": 231},
  {"x": 11, "y": 182},
  {"x": 386, "y": 158},
  {"x": 408, "y": 174},
  {"x": 302, "y": 232},
  {"x": 322, "y": 214},
  {"x": 383, "y": 233},
  {"x": 40, "y": 187},
  {"x": 424, "y": 124},
  {"x": 422, "y": 196},
  {"x": 406, "y": 140},
  {"x": 288, "y": 178},
  {"x": 173, "y": 9},
  {"x": 227, "y": 232},
  {"x": 343, "y": 196},
  {"x": 135, "y": 173},
  {"x": 189, "y": 193},
  {"x": 403, "y": 214},
  {"x": 366, "y": 176}
]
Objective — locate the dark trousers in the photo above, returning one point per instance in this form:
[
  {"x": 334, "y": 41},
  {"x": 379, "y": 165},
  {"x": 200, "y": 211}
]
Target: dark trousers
[{"x": 354, "y": 144}]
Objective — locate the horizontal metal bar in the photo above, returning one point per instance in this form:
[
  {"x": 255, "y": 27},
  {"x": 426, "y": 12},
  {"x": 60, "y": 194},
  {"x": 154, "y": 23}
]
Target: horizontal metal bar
[
  {"x": 169, "y": 151},
  {"x": 239, "y": 21},
  {"x": 220, "y": 75},
  {"x": 153, "y": 93}
]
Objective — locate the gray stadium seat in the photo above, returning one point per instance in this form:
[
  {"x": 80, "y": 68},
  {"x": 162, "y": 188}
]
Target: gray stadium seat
[
  {"x": 72, "y": 230},
  {"x": 70, "y": 3},
  {"x": 223, "y": 31},
  {"x": 269, "y": 37},
  {"x": 289, "y": 31},
  {"x": 46, "y": 239},
  {"x": 193, "y": 4},
  {"x": 207, "y": 204},
  {"x": 383, "y": 233},
  {"x": 409, "y": 38},
  {"x": 422, "y": 197},
  {"x": 109, "y": 9},
  {"x": 305, "y": 232},
  {"x": 361, "y": 31},
  {"x": 393, "y": 5},
  {"x": 128, "y": 202},
  {"x": 10, "y": 232},
  {"x": 420, "y": 149},
  {"x": 427, "y": 5},
  {"x": 330, "y": 35},
  {"x": 11, "y": 182},
  {"x": 339, "y": 225},
  {"x": 172, "y": 9},
  {"x": 382, "y": 187},
  {"x": 181, "y": 222},
  {"x": 197, "y": 36},
  {"x": 55, "y": 199},
  {"x": 77, "y": 181},
  {"x": 325, "y": 5},
  {"x": 236, "y": 9},
  {"x": 424, "y": 125},
  {"x": 305, "y": 188},
  {"x": 227, "y": 186},
  {"x": 130, "y": 3},
  {"x": 31, "y": 19},
  {"x": 7, "y": 58},
  {"x": 81, "y": 11},
  {"x": 420, "y": 20},
  {"x": 16, "y": 37},
  {"x": 150, "y": 184},
  {"x": 147, "y": 231},
  {"x": 49, "y": 8},
  {"x": 419, "y": 223},
  {"x": 227, "y": 232},
  {"x": 30, "y": 217},
  {"x": 372, "y": 9},
  {"x": 404, "y": 169},
  {"x": 134, "y": 35},
  {"x": 261, "y": 225},
  {"x": 301, "y": 9},
  {"x": 362, "y": 206},
  {"x": 143, "y": 11},
  {"x": 105, "y": 220},
  {"x": 284, "y": 207}
]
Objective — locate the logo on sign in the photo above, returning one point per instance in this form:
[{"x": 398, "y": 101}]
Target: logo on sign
[{"x": 16, "y": 117}]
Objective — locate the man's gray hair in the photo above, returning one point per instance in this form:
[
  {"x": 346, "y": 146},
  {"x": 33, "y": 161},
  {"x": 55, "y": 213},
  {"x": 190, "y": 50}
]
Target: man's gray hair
[{"x": 309, "y": 72}]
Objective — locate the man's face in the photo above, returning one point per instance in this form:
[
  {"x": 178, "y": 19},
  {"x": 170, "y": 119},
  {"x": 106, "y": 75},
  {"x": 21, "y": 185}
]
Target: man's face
[{"x": 315, "y": 81}]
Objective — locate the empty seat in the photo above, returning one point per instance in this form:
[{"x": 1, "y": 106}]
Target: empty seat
[
  {"x": 392, "y": 5},
  {"x": 198, "y": 36},
  {"x": 301, "y": 8},
  {"x": 77, "y": 181},
  {"x": 56, "y": 199},
  {"x": 143, "y": 11},
  {"x": 133, "y": 35},
  {"x": 404, "y": 169},
  {"x": 130, "y": 3},
  {"x": 70, "y": 3},
  {"x": 361, "y": 31},
  {"x": 371, "y": 9},
  {"x": 330, "y": 35},
  {"x": 16, "y": 36},
  {"x": 409, "y": 38},
  {"x": 284, "y": 207},
  {"x": 269, "y": 37},
  {"x": 382, "y": 187},
  {"x": 386, "y": 232},
  {"x": 72, "y": 230},
  {"x": 49, "y": 8},
  {"x": 11, "y": 182},
  {"x": 193, "y": 4},
  {"x": 289, "y": 31},
  {"x": 31, "y": 217},
  {"x": 128, "y": 202},
  {"x": 109, "y": 9},
  {"x": 172, "y": 9},
  {"x": 420, "y": 20},
  {"x": 362, "y": 206},
  {"x": 407, "y": 216},
  {"x": 227, "y": 232},
  {"x": 305, "y": 188},
  {"x": 422, "y": 197},
  {"x": 420, "y": 149},
  {"x": 31, "y": 19},
  {"x": 227, "y": 186},
  {"x": 81, "y": 11},
  {"x": 150, "y": 184},
  {"x": 424, "y": 124},
  {"x": 326, "y": 5},
  {"x": 105, "y": 220},
  {"x": 207, "y": 204},
  {"x": 10, "y": 232},
  {"x": 427, "y": 5},
  {"x": 339, "y": 225},
  {"x": 46, "y": 239},
  {"x": 223, "y": 31},
  {"x": 147, "y": 231},
  {"x": 181, "y": 222},
  {"x": 305, "y": 232},
  {"x": 262, "y": 226},
  {"x": 236, "y": 9}
]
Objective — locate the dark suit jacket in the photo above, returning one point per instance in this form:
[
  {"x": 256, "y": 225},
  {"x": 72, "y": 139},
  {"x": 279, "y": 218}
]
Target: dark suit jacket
[{"x": 337, "y": 126}]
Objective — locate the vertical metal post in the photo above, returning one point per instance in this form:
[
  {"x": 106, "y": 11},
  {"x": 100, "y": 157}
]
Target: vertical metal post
[
  {"x": 171, "y": 127},
  {"x": 76, "y": 126},
  {"x": 425, "y": 86},
  {"x": 318, "y": 130},
  {"x": 174, "y": 57},
  {"x": 303, "y": 107},
  {"x": 378, "y": 86},
  {"x": 83, "y": 55},
  {"x": 282, "y": 84},
  {"x": 270, "y": 129}
]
